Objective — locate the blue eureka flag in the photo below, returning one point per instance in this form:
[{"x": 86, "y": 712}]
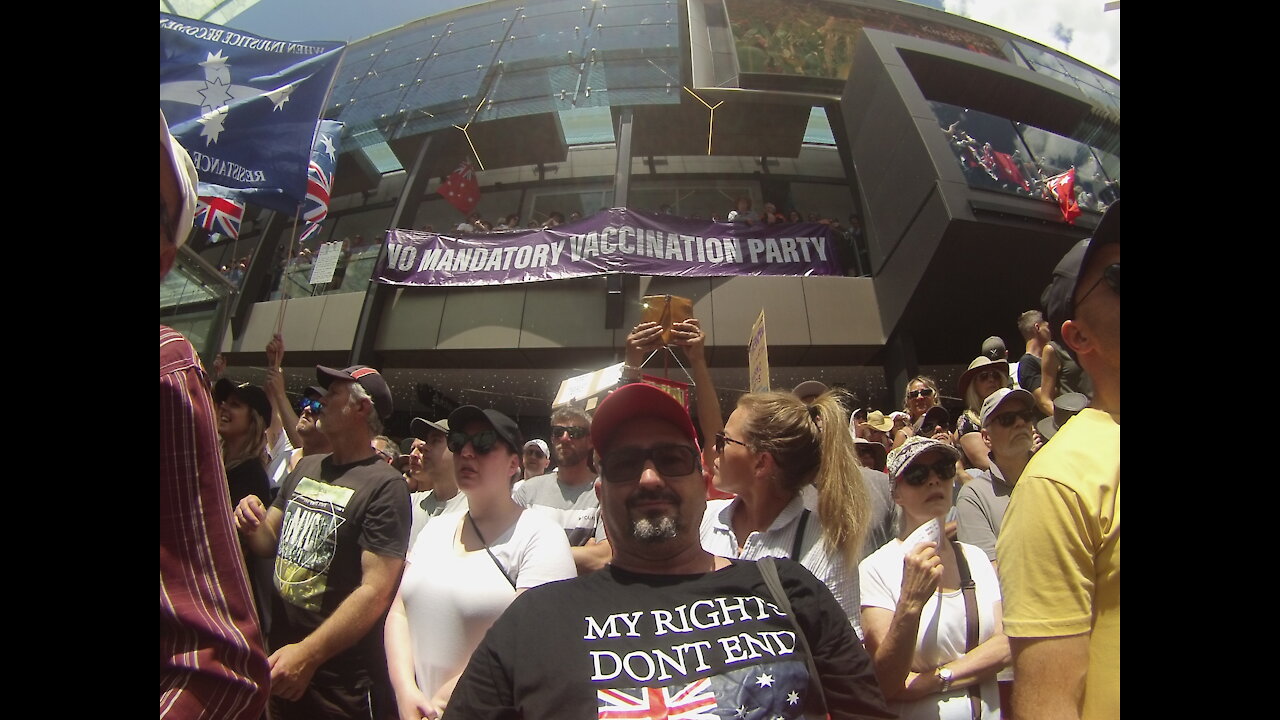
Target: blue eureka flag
[{"x": 245, "y": 107}]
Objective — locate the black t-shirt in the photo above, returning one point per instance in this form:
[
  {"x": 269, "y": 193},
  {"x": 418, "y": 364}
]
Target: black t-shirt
[
  {"x": 615, "y": 642},
  {"x": 332, "y": 513},
  {"x": 248, "y": 478},
  {"x": 1029, "y": 372}
]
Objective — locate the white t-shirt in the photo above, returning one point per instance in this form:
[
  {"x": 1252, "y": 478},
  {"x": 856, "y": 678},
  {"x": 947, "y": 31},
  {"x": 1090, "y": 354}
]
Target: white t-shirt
[
  {"x": 451, "y": 596},
  {"x": 941, "y": 637}
]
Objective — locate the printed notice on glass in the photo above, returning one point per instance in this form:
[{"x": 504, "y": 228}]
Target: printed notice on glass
[
  {"x": 758, "y": 356},
  {"x": 326, "y": 262}
]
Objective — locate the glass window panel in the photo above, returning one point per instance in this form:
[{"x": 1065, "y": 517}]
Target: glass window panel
[
  {"x": 702, "y": 199},
  {"x": 587, "y": 125},
  {"x": 819, "y": 128},
  {"x": 1054, "y": 154},
  {"x": 585, "y": 200},
  {"x": 988, "y": 149}
]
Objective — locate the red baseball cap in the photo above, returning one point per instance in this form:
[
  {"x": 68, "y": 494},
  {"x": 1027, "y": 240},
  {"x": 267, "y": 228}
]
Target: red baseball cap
[{"x": 633, "y": 401}]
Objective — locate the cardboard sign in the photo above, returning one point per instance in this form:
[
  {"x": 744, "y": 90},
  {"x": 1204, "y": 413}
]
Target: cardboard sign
[
  {"x": 758, "y": 357},
  {"x": 587, "y": 390}
]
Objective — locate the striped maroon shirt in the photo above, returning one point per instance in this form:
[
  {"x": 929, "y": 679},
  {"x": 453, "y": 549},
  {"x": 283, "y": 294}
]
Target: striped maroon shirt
[{"x": 212, "y": 663}]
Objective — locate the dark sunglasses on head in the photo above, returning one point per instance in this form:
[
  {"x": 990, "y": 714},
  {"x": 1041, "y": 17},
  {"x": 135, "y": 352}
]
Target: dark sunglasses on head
[
  {"x": 307, "y": 403},
  {"x": 721, "y": 439},
  {"x": 482, "y": 442},
  {"x": 575, "y": 432},
  {"x": 1007, "y": 419},
  {"x": 918, "y": 473},
  {"x": 922, "y": 392},
  {"x": 625, "y": 465},
  {"x": 1111, "y": 274}
]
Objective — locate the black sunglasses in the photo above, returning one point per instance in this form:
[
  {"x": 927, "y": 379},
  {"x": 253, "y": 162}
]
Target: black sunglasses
[
  {"x": 989, "y": 375},
  {"x": 918, "y": 473},
  {"x": 575, "y": 432},
  {"x": 482, "y": 442},
  {"x": 1007, "y": 419},
  {"x": 721, "y": 439},
  {"x": 923, "y": 392},
  {"x": 306, "y": 403},
  {"x": 1111, "y": 274},
  {"x": 627, "y": 464}
]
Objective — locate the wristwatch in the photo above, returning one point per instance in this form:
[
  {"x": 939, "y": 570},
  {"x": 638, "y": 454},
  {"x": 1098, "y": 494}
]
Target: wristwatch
[{"x": 945, "y": 675}]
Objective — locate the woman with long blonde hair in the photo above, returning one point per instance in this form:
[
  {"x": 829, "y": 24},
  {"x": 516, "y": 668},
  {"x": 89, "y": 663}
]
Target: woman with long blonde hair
[{"x": 799, "y": 487}]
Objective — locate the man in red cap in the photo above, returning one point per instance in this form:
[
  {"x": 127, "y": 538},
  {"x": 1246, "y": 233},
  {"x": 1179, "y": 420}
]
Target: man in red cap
[
  {"x": 666, "y": 628},
  {"x": 212, "y": 663},
  {"x": 339, "y": 530}
]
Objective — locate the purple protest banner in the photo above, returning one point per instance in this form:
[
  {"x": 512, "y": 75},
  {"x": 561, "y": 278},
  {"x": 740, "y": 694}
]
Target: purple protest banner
[{"x": 616, "y": 240}]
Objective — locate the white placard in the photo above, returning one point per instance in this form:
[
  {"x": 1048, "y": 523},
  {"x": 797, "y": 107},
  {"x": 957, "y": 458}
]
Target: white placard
[{"x": 326, "y": 262}]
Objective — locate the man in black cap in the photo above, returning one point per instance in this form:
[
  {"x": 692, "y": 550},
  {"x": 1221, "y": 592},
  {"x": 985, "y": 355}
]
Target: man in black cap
[
  {"x": 666, "y": 629},
  {"x": 435, "y": 489},
  {"x": 1059, "y": 544},
  {"x": 339, "y": 530}
]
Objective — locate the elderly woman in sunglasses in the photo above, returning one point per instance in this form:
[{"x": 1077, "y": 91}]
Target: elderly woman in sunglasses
[
  {"x": 465, "y": 569},
  {"x": 931, "y": 607},
  {"x": 773, "y": 448}
]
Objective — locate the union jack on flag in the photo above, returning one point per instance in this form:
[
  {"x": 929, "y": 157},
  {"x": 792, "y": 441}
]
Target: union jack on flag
[
  {"x": 309, "y": 232},
  {"x": 678, "y": 702},
  {"x": 324, "y": 158},
  {"x": 219, "y": 214}
]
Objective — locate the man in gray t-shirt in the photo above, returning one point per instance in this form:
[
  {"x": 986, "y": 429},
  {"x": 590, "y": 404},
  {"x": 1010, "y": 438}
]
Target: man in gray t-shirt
[
  {"x": 1007, "y": 417},
  {"x": 568, "y": 495}
]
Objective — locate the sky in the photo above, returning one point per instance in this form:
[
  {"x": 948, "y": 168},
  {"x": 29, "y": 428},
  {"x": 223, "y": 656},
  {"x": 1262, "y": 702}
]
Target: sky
[{"x": 1079, "y": 28}]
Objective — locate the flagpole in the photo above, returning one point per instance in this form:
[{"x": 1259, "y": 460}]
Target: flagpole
[{"x": 284, "y": 297}]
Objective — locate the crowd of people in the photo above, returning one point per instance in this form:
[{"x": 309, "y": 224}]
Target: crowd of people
[{"x": 797, "y": 556}]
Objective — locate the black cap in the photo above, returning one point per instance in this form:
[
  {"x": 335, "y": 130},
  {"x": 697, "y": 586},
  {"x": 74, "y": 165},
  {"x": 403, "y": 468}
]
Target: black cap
[
  {"x": 369, "y": 378},
  {"x": 421, "y": 427},
  {"x": 1058, "y": 298},
  {"x": 503, "y": 425},
  {"x": 1065, "y": 407},
  {"x": 252, "y": 395}
]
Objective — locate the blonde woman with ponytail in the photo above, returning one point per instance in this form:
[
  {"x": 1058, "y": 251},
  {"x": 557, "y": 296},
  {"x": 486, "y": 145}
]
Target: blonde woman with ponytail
[{"x": 774, "y": 448}]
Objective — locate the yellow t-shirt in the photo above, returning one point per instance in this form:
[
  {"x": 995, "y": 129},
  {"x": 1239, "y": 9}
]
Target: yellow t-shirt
[{"x": 1059, "y": 550}]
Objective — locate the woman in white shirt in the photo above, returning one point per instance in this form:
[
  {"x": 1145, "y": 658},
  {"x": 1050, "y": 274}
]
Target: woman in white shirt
[
  {"x": 914, "y": 611},
  {"x": 772, "y": 449},
  {"x": 464, "y": 569}
]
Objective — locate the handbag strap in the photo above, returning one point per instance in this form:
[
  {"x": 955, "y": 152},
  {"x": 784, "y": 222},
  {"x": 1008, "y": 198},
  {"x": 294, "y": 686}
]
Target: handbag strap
[
  {"x": 492, "y": 557},
  {"x": 769, "y": 569},
  {"x": 795, "y": 546},
  {"x": 969, "y": 590}
]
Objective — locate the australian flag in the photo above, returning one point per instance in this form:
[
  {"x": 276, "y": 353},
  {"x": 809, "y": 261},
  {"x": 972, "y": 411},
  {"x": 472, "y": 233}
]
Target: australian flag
[
  {"x": 245, "y": 107},
  {"x": 761, "y": 692},
  {"x": 219, "y": 211},
  {"x": 324, "y": 157}
]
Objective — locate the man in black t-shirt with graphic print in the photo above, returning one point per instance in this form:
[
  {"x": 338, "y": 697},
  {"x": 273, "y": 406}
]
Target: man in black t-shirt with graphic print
[
  {"x": 666, "y": 629},
  {"x": 338, "y": 531}
]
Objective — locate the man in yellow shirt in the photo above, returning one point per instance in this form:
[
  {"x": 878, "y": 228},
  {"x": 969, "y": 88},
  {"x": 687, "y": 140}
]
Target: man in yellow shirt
[{"x": 1059, "y": 546}]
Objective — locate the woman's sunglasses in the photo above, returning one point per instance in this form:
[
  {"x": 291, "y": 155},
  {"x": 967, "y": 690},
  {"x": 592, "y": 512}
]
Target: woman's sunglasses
[{"x": 918, "y": 473}]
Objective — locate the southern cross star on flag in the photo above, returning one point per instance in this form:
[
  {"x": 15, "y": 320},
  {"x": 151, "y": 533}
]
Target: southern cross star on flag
[
  {"x": 461, "y": 189},
  {"x": 245, "y": 107},
  {"x": 762, "y": 692}
]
